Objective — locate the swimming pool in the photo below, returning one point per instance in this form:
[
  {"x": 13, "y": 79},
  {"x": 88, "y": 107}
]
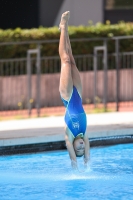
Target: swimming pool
[{"x": 48, "y": 176}]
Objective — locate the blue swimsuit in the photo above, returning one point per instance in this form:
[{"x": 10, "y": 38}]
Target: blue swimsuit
[{"x": 75, "y": 116}]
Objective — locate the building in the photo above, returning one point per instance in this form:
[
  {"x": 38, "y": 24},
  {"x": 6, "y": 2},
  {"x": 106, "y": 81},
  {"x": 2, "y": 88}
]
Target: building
[{"x": 35, "y": 13}]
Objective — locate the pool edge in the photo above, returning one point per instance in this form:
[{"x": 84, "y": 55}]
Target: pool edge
[{"x": 60, "y": 145}]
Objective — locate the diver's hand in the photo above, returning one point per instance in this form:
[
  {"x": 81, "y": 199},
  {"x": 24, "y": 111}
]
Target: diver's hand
[
  {"x": 74, "y": 164},
  {"x": 85, "y": 165},
  {"x": 86, "y": 160}
]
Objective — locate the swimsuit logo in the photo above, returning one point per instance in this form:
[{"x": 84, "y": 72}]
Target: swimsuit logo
[
  {"x": 76, "y": 125},
  {"x": 75, "y": 121}
]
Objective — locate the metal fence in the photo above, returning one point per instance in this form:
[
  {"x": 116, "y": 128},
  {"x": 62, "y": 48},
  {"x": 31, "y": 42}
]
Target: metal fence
[{"x": 30, "y": 87}]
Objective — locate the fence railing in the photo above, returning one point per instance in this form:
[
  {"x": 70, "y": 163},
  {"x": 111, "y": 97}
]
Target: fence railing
[
  {"x": 51, "y": 64},
  {"x": 14, "y": 98}
]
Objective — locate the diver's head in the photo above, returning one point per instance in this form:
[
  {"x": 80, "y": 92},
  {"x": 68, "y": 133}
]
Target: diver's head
[{"x": 79, "y": 147}]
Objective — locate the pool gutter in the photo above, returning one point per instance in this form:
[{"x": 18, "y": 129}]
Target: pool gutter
[{"x": 60, "y": 145}]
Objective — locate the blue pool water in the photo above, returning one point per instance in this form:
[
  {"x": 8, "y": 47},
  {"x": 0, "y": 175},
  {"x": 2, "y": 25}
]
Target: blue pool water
[{"x": 48, "y": 176}]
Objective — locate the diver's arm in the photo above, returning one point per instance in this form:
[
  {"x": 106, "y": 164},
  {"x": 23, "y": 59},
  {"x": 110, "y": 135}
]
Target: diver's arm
[
  {"x": 87, "y": 149},
  {"x": 69, "y": 145}
]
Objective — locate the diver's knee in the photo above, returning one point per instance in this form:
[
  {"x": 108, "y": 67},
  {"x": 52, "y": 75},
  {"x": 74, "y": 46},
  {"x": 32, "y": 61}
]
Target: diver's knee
[{"x": 65, "y": 59}]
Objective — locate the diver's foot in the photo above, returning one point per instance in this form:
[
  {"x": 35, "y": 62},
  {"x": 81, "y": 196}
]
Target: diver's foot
[{"x": 64, "y": 20}]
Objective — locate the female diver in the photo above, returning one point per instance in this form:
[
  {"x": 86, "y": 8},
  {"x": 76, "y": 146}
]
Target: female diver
[{"x": 70, "y": 88}]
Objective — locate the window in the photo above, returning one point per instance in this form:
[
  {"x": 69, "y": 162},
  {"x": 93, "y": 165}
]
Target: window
[{"x": 118, "y": 4}]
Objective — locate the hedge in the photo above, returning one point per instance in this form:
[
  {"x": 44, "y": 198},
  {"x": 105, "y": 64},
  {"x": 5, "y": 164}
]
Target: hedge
[{"x": 91, "y": 31}]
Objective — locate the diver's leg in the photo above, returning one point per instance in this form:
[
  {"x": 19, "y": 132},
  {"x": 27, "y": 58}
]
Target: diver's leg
[
  {"x": 66, "y": 83},
  {"x": 75, "y": 73}
]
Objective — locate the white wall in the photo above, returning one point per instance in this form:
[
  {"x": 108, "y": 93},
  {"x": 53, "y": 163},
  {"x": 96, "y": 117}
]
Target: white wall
[{"x": 82, "y": 11}]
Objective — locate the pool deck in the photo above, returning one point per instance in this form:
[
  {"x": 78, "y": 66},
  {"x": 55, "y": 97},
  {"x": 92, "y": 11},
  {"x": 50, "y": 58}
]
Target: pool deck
[{"x": 51, "y": 129}]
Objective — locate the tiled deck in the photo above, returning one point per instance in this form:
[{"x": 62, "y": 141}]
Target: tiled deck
[{"x": 51, "y": 129}]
